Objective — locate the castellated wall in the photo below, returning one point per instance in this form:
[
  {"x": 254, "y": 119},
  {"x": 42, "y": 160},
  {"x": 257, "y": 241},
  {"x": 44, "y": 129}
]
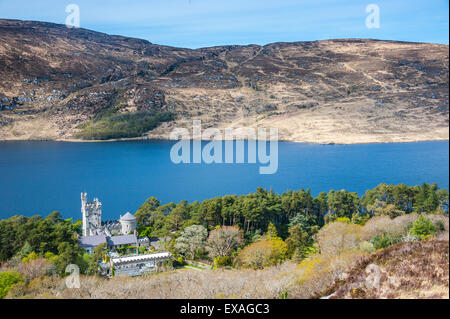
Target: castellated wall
[
  {"x": 92, "y": 215},
  {"x": 92, "y": 220}
]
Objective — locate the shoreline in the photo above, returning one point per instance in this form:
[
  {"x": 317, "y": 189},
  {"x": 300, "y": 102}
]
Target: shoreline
[{"x": 191, "y": 139}]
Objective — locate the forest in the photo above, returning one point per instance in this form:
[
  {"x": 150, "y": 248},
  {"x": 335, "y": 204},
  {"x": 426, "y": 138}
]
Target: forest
[
  {"x": 293, "y": 216},
  {"x": 254, "y": 212}
]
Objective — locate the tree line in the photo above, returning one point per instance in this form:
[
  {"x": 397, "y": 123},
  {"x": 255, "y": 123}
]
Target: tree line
[
  {"x": 252, "y": 213},
  {"x": 279, "y": 226}
]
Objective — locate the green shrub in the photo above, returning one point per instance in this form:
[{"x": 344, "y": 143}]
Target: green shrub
[
  {"x": 422, "y": 227},
  {"x": 385, "y": 240},
  {"x": 360, "y": 219},
  {"x": 31, "y": 256},
  {"x": 122, "y": 125},
  {"x": 342, "y": 220},
  {"x": 126, "y": 250},
  {"x": 7, "y": 280},
  {"x": 222, "y": 261},
  {"x": 179, "y": 261},
  {"x": 304, "y": 252},
  {"x": 440, "y": 226}
]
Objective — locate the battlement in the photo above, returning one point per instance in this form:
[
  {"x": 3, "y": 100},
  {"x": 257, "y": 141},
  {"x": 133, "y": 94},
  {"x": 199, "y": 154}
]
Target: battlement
[
  {"x": 94, "y": 204},
  {"x": 93, "y": 224},
  {"x": 92, "y": 215}
]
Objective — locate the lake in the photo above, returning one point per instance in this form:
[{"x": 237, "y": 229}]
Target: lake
[{"x": 38, "y": 177}]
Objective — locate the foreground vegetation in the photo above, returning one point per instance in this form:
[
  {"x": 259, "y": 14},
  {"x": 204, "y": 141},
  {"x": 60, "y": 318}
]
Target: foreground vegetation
[
  {"x": 405, "y": 270},
  {"x": 409, "y": 269},
  {"x": 260, "y": 245}
]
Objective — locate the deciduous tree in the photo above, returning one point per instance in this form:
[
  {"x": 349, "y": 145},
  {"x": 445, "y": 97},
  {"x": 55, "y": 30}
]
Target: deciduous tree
[
  {"x": 222, "y": 241},
  {"x": 192, "y": 239}
]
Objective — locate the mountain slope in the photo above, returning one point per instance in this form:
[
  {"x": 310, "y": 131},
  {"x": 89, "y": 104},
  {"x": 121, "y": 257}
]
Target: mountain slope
[{"x": 54, "y": 79}]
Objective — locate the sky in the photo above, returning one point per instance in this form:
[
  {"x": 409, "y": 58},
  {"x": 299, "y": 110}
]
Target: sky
[{"x": 202, "y": 23}]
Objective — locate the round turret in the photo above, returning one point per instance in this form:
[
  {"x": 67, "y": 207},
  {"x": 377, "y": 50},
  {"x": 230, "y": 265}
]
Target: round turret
[{"x": 128, "y": 223}]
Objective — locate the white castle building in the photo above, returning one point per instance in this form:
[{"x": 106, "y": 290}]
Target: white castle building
[
  {"x": 92, "y": 215},
  {"x": 92, "y": 220},
  {"x": 127, "y": 223},
  {"x": 115, "y": 234},
  {"x": 138, "y": 265}
]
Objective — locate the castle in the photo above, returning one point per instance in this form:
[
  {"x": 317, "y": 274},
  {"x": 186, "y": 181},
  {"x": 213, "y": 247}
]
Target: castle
[
  {"x": 92, "y": 220},
  {"x": 115, "y": 234}
]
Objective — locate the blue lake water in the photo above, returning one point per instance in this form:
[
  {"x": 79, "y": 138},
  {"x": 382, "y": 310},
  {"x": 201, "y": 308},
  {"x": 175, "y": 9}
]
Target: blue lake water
[{"x": 40, "y": 177}]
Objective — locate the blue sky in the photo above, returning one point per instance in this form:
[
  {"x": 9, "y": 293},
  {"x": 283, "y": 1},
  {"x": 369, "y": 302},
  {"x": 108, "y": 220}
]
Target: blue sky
[{"x": 200, "y": 23}]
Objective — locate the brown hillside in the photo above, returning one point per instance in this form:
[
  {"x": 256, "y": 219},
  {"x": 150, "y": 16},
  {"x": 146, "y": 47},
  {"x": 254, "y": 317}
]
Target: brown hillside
[{"x": 53, "y": 78}]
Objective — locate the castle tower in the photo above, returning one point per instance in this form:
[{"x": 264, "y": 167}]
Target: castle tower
[
  {"x": 128, "y": 223},
  {"x": 92, "y": 215}
]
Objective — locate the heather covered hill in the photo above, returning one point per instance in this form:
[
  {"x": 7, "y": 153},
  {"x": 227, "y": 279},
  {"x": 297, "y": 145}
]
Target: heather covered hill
[
  {"x": 406, "y": 270},
  {"x": 58, "y": 83}
]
